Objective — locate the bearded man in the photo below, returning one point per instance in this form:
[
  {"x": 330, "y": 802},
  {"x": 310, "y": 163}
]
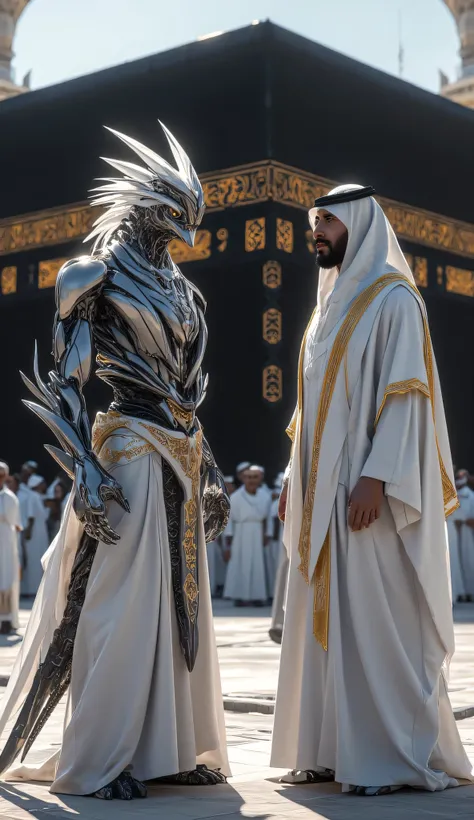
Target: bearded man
[
  {"x": 362, "y": 696},
  {"x": 123, "y": 614}
]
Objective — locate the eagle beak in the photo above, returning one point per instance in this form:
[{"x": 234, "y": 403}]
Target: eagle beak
[{"x": 187, "y": 235}]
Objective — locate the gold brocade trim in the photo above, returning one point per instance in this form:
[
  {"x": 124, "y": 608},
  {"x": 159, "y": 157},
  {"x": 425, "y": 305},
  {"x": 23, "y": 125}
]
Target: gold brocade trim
[
  {"x": 321, "y": 582},
  {"x": 188, "y": 452},
  {"x": 184, "y": 417},
  {"x": 346, "y": 377},
  {"x": 401, "y": 388},
  {"x": 105, "y": 424},
  {"x": 332, "y": 369},
  {"x": 133, "y": 449},
  {"x": 291, "y": 429},
  {"x": 182, "y": 450}
]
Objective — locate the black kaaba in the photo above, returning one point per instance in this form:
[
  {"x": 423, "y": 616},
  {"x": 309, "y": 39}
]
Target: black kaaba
[{"x": 270, "y": 120}]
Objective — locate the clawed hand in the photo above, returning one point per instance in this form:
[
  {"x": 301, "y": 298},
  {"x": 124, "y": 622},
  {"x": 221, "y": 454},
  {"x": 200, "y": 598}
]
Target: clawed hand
[
  {"x": 93, "y": 488},
  {"x": 215, "y": 511}
]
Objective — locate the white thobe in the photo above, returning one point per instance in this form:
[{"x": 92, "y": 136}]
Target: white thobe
[
  {"x": 36, "y": 546},
  {"x": 454, "y": 540},
  {"x": 10, "y": 524},
  {"x": 216, "y": 564},
  {"x": 26, "y": 498},
  {"x": 248, "y": 524},
  {"x": 466, "y": 538},
  {"x": 274, "y": 549},
  {"x": 373, "y": 707}
]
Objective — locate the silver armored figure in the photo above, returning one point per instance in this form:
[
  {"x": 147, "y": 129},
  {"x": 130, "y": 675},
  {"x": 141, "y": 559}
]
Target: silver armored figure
[{"x": 145, "y": 320}]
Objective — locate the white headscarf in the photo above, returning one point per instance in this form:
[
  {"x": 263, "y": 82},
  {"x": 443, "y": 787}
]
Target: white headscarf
[
  {"x": 372, "y": 250},
  {"x": 34, "y": 481}
]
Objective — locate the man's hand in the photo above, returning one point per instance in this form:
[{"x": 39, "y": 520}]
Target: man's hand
[
  {"x": 282, "y": 502},
  {"x": 365, "y": 503}
]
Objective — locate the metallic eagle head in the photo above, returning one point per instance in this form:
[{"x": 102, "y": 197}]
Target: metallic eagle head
[{"x": 167, "y": 200}]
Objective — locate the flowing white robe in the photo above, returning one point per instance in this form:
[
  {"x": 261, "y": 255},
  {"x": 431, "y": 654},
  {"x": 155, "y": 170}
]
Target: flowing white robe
[
  {"x": 458, "y": 587},
  {"x": 217, "y": 565},
  {"x": 466, "y": 538},
  {"x": 36, "y": 546},
  {"x": 132, "y": 701},
  {"x": 274, "y": 549},
  {"x": 10, "y": 524},
  {"x": 373, "y": 707},
  {"x": 248, "y": 523},
  {"x": 281, "y": 583}
]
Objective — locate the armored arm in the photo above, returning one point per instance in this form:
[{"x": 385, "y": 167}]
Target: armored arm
[
  {"x": 215, "y": 500},
  {"x": 65, "y": 411}
]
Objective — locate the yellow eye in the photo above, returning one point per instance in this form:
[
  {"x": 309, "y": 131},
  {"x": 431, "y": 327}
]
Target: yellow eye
[{"x": 174, "y": 213}]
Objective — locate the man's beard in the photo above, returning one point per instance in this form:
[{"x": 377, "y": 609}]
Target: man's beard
[{"x": 334, "y": 257}]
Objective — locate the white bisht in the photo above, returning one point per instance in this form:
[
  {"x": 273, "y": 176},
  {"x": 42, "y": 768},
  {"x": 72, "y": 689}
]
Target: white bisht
[{"x": 369, "y": 403}]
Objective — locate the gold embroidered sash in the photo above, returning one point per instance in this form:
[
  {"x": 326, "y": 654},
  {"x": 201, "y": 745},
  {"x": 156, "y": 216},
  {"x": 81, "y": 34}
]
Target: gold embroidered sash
[{"x": 183, "y": 449}]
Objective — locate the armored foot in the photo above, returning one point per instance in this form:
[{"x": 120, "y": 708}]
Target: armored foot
[
  {"x": 201, "y": 776},
  {"x": 375, "y": 791},
  {"x": 124, "y": 787},
  {"x": 308, "y": 776}
]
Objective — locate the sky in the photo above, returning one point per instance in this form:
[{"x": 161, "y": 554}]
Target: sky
[{"x": 61, "y": 39}]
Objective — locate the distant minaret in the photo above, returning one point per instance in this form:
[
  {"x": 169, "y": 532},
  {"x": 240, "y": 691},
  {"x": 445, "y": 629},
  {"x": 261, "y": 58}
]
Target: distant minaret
[
  {"x": 10, "y": 11},
  {"x": 462, "y": 91}
]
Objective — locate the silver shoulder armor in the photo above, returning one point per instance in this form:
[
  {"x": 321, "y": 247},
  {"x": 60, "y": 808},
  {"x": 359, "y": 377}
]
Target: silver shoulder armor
[{"x": 75, "y": 280}]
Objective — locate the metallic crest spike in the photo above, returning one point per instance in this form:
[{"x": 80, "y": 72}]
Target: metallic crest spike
[
  {"x": 156, "y": 164},
  {"x": 129, "y": 169},
  {"x": 181, "y": 158}
]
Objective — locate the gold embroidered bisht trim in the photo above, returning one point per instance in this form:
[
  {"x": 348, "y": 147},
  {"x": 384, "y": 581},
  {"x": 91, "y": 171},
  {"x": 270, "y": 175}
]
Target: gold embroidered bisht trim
[
  {"x": 401, "y": 388},
  {"x": 321, "y": 576}
]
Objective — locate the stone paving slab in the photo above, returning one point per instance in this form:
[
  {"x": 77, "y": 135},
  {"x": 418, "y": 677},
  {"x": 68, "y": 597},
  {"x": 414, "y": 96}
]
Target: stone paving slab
[
  {"x": 260, "y": 798},
  {"x": 249, "y": 663}
]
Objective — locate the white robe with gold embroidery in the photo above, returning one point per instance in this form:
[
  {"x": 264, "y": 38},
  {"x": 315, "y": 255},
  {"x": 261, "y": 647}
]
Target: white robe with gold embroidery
[
  {"x": 132, "y": 702},
  {"x": 373, "y": 707}
]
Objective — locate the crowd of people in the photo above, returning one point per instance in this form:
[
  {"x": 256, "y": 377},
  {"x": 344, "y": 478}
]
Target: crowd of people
[
  {"x": 243, "y": 563},
  {"x": 247, "y": 563},
  {"x": 30, "y": 516}
]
